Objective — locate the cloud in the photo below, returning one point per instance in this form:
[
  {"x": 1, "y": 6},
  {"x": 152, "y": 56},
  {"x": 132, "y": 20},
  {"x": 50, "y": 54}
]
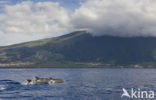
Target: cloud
[
  {"x": 33, "y": 19},
  {"x": 29, "y": 20},
  {"x": 124, "y": 18},
  {"x": 8, "y": 39}
]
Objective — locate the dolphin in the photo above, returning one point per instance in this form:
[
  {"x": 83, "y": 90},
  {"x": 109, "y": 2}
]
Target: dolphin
[{"x": 39, "y": 80}]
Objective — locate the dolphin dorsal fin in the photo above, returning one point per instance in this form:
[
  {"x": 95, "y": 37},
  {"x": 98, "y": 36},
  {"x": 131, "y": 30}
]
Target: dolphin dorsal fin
[{"x": 36, "y": 77}]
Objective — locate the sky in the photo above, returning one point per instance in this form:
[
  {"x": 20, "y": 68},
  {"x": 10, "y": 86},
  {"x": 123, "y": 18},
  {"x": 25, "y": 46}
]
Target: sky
[{"x": 27, "y": 20}]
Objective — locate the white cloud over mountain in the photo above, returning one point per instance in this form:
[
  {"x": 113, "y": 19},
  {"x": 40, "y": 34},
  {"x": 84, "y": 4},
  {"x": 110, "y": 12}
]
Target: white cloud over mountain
[
  {"x": 30, "y": 20},
  {"x": 117, "y": 17}
]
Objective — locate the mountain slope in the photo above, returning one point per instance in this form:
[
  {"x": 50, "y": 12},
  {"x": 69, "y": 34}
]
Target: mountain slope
[{"x": 81, "y": 47}]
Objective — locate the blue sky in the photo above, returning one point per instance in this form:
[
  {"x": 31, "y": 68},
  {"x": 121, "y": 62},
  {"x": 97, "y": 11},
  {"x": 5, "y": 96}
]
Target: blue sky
[{"x": 70, "y": 4}]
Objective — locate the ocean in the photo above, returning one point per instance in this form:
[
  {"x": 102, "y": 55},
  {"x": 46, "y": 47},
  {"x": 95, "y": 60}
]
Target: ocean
[{"x": 79, "y": 83}]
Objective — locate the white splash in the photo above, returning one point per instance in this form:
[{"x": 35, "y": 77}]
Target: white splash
[
  {"x": 2, "y": 87},
  {"x": 51, "y": 82},
  {"x": 27, "y": 83}
]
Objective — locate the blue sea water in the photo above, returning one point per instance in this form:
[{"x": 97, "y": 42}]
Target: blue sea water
[{"x": 79, "y": 84}]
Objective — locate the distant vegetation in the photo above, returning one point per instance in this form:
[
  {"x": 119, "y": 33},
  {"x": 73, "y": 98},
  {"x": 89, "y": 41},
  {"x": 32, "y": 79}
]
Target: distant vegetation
[{"x": 80, "y": 49}]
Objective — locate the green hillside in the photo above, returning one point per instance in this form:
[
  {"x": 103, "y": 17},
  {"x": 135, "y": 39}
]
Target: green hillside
[{"x": 80, "y": 49}]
